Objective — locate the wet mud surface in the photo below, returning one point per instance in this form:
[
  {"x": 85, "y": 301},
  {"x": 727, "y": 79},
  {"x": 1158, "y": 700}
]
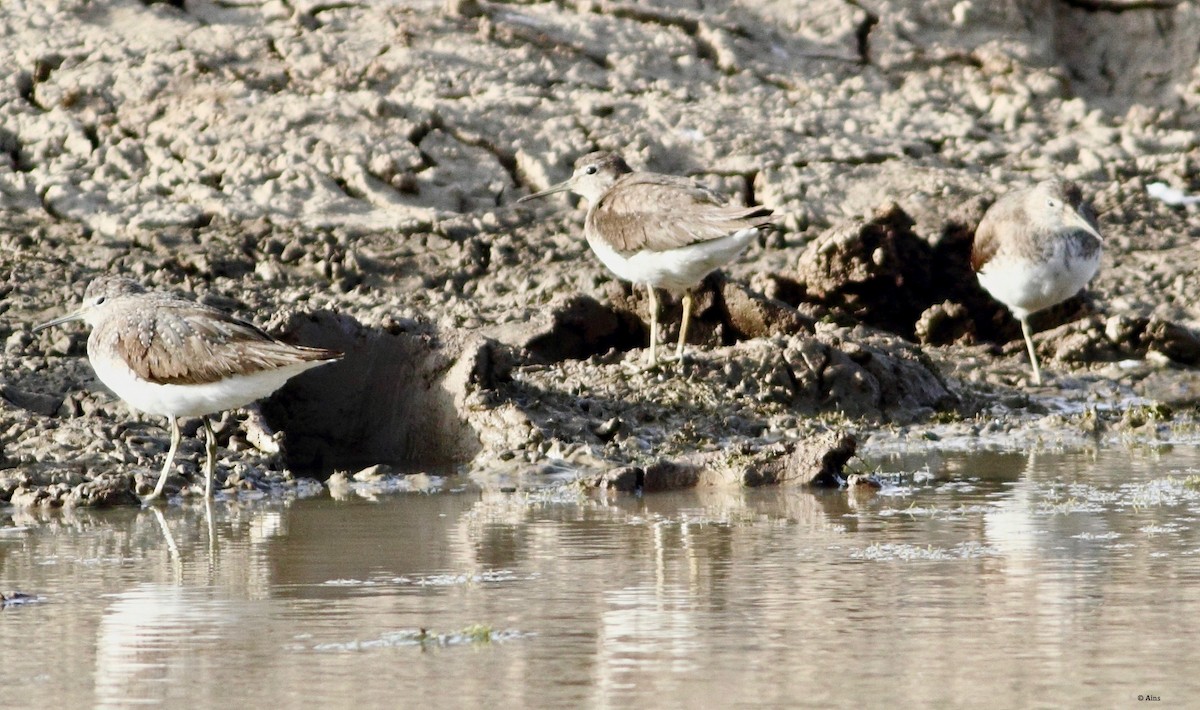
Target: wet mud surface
[{"x": 346, "y": 176}]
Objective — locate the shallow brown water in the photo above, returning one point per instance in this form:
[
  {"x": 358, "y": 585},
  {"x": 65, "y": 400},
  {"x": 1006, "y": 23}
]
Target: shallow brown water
[{"x": 998, "y": 580}]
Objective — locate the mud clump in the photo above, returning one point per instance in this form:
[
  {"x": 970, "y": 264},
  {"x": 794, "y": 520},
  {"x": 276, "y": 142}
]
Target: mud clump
[
  {"x": 878, "y": 272},
  {"x": 944, "y": 323},
  {"x": 66, "y": 488},
  {"x": 818, "y": 461},
  {"x": 1176, "y": 342},
  {"x": 574, "y": 327},
  {"x": 655, "y": 478},
  {"x": 103, "y": 491},
  {"x": 386, "y": 401},
  {"x": 1095, "y": 339},
  {"x": 863, "y": 373},
  {"x": 732, "y": 399}
]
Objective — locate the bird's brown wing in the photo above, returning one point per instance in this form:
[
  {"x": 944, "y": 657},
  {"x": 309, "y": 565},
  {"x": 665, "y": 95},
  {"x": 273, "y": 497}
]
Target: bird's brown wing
[
  {"x": 184, "y": 343},
  {"x": 646, "y": 211},
  {"x": 985, "y": 244},
  {"x": 1006, "y": 214}
]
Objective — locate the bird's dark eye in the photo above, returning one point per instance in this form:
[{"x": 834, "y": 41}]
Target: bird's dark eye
[
  {"x": 101, "y": 300},
  {"x": 591, "y": 169},
  {"x": 1052, "y": 202}
]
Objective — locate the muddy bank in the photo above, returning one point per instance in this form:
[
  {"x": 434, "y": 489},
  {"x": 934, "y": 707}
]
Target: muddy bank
[{"x": 346, "y": 176}]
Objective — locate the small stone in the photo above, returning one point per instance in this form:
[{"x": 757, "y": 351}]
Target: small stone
[
  {"x": 373, "y": 473},
  {"x": 860, "y": 482},
  {"x": 105, "y": 490},
  {"x": 44, "y": 404},
  {"x": 15, "y": 343},
  {"x": 463, "y": 8},
  {"x": 627, "y": 479},
  {"x": 944, "y": 323},
  {"x": 292, "y": 253},
  {"x": 606, "y": 430}
]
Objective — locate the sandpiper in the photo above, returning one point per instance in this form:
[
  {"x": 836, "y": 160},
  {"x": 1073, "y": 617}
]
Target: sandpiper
[
  {"x": 659, "y": 230},
  {"x": 173, "y": 357},
  {"x": 1034, "y": 248}
]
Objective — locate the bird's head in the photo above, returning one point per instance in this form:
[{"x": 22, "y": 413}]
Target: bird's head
[
  {"x": 1061, "y": 202},
  {"x": 594, "y": 174},
  {"x": 97, "y": 298}
]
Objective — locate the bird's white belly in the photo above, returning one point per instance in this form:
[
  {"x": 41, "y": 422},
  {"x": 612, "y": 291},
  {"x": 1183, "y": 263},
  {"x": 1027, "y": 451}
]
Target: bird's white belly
[
  {"x": 1028, "y": 286},
  {"x": 675, "y": 270},
  {"x": 192, "y": 400}
]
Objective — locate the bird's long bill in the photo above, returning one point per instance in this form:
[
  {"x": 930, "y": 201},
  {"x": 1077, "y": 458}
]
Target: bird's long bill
[
  {"x": 560, "y": 187},
  {"x": 1082, "y": 222},
  {"x": 77, "y": 315}
]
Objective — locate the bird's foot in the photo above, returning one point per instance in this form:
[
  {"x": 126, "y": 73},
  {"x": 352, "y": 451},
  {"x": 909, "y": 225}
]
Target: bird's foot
[
  {"x": 680, "y": 357},
  {"x": 643, "y": 365}
]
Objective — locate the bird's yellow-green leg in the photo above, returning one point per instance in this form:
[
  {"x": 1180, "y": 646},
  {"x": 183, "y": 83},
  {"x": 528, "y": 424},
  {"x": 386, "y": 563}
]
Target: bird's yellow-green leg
[
  {"x": 653, "y": 324},
  {"x": 1037, "y": 371},
  {"x": 683, "y": 327},
  {"x": 210, "y": 457},
  {"x": 162, "y": 477}
]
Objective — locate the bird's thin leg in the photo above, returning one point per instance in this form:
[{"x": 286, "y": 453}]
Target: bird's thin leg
[
  {"x": 210, "y": 456},
  {"x": 1037, "y": 371},
  {"x": 162, "y": 477},
  {"x": 683, "y": 326},
  {"x": 653, "y": 324}
]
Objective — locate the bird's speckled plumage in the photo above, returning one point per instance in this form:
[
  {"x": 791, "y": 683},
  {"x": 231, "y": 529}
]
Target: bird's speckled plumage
[
  {"x": 165, "y": 339},
  {"x": 660, "y": 230},
  {"x": 654, "y": 212}
]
